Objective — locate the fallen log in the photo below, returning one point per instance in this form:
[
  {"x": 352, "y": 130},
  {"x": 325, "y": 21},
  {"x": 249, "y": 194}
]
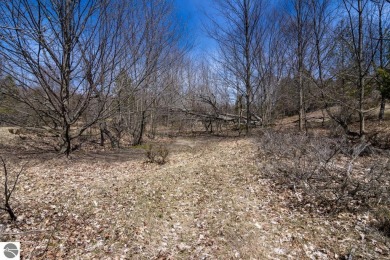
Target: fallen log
[{"x": 221, "y": 117}]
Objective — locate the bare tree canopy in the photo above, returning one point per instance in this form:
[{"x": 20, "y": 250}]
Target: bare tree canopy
[
  {"x": 63, "y": 55},
  {"x": 120, "y": 68},
  {"x": 238, "y": 30}
]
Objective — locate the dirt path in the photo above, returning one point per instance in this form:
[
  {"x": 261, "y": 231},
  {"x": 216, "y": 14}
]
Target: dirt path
[{"x": 208, "y": 202}]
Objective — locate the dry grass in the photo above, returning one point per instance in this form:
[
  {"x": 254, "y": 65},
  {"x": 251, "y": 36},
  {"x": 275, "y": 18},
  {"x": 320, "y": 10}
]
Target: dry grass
[
  {"x": 6, "y": 136},
  {"x": 209, "y": 201}
]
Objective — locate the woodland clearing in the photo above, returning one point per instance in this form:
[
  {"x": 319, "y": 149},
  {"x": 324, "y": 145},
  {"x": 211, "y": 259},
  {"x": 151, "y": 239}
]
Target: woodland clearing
[{"x": 209, "y": 201}]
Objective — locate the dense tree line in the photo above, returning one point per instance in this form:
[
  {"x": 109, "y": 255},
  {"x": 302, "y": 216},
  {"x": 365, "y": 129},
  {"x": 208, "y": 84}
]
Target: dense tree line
[
  {"x": 123, "y": 68},
  {"x": 310, "y": 55}
]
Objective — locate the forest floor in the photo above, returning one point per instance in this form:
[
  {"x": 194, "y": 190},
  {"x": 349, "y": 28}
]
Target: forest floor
[{"x": 209, "y": 201}]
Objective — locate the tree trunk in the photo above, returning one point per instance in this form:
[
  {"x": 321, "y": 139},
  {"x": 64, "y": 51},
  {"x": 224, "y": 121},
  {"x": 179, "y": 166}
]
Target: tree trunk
[
  {"x": 301, "y": 106},
  {"x": 66, "y": 146},
  {"x": 139, "y": 131},
  {"x": 248, "y": 114},
  {"x": 240, "y": 118},
  {"x": 10, "y": 211},
  {"x": 7, "y": 192},
  {"x": 300, "y": 65},
  {"x": 248, "y": 66},
  {"x": 361, "y": 71},
  {"x": 382, "y": 109},
  {"x": 381, "y": 56},
  {"x": 102, "y": 139},
  {"x": 153, "y": 126},
  {"x": 104, "y": 131}
]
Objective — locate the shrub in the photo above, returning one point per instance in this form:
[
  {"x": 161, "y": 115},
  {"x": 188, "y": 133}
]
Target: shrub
[
  {"x": 324, "y": 172},
  {"x": 157, "y": 154},
  {"x": 9, "y": 188},
  {"x": 382, "y": 215}
]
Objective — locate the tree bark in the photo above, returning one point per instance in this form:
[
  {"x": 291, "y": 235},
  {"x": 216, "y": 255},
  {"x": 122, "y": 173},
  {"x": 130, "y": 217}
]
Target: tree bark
[
  {"x": 139, "y": 131},
  {"x": 10, "y": 211},
  {"x": 102, "y": 139},
  {"x": 248, "y": 85},
  {"x": 66, "y": 146},
  {"x": 361, "y": 71},
  {"x": 104, "y": 131},
  {"x": 381, "y": 56},
  {"x": 300, "y": 65},
  {"x": 382, "y": 109}
]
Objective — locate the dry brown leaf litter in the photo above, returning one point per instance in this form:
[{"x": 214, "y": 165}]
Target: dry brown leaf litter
[{"x": 208, "y": 202}]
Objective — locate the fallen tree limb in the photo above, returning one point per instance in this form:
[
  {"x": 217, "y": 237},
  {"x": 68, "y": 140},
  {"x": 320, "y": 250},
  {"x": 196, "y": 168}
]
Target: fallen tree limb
[{"x": 219, "y": 116}]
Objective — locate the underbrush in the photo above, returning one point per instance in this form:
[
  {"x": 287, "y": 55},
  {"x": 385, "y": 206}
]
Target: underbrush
[
  {"x": 157, "y": 154},
  {"x": 327, "y": 174}
]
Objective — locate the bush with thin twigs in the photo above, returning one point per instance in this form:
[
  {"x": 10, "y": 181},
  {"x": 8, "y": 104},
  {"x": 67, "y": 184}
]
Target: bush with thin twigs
[
  {"x": 382, "y": 215},
  {"x": 8, "y": 188},
  {"x": 157, "y": 154},
  {"x": 326, "y": 173}
]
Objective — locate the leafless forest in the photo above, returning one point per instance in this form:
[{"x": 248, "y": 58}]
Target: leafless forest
[{"x": 121, "y": 139}]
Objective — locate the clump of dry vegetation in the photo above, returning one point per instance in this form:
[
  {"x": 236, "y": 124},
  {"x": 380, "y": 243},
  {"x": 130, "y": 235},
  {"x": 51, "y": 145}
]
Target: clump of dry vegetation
[
  {"x": 157, "y": 153},
  {"x": 382, "y": 215},
  {"x": 8, "y": 181},
  {"x": 327, "y": 173}
]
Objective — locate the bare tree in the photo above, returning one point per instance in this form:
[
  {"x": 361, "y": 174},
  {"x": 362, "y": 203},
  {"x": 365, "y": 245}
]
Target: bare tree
[
  {"x": 383, "y": 62},
  {"x": 297, "y": 33},
  {"x": 9, "y": 188},
  {"x": 300, "y": 45},
  {"x": 155, "y": 45},
  {"x": 357, "y": 33},
  {"x": 237, "y": 30},
  {"x": 271, "y": 64},
  {"x": 62, "y": 56},
  {"x": 323, "y": 15}
]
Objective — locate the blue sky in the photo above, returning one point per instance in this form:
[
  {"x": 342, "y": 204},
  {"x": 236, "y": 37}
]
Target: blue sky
[{"x": 192, "y": 12}]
